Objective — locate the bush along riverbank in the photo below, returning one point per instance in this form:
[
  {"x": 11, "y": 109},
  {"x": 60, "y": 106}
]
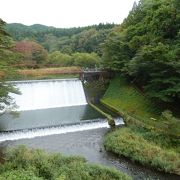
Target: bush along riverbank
[
  {"x": 24, "y": 164},
  {"x": 151, "y": 137}
]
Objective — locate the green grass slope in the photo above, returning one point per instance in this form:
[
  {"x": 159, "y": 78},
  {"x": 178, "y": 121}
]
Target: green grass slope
[
  {"x": 136, "y": 109},
  {"x": 148, "y": 138},
  {"x": 124, "y": 97}
]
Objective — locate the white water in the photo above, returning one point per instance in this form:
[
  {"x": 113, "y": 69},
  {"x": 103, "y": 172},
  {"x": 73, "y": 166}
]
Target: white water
[
  {"x": 49, "y": 94},
  {"x": 87, "y": 125}
]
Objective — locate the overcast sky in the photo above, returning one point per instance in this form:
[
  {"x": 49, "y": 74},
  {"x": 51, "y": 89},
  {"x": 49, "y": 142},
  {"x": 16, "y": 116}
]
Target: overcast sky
[{"x": 64, "y": 13}]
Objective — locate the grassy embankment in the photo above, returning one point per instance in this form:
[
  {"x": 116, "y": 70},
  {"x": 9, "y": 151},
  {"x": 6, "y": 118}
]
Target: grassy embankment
[
  {"x": 143, "y": 140},
  {"x": 47, "y": 73},
  {"x": 24, "y": 164}
]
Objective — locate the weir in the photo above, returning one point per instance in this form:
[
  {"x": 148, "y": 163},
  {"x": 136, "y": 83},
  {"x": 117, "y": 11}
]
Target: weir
[
  {"x": 43, "y": 94},
  {"x": 48, "y": 107},
  {"x": 38, "y": 132}
]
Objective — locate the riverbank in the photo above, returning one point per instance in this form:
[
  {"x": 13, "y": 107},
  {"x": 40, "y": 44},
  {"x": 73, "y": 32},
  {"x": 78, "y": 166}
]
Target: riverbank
[
  {"x": 21, "y": 163},
  {"x": 134, "y": 145},
  {"x": 143, "y": 140}
]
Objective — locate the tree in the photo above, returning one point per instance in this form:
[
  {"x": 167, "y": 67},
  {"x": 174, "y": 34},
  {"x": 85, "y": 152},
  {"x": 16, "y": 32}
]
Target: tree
[
  {"x": 31, "y": 51},
  {"x": 82, "y": 39},
  {"x": 87, "y": 60},
  {"x": 156, "y": 71},
  {"x": 116, "y": 52},
  {"x": 145, "y": 47},
  {"x": 60, "y": 59},
  {"x": 7, "y": 59}
]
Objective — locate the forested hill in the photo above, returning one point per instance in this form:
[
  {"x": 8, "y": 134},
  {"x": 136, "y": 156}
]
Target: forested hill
[
  {"x": 146, "y": 48},
  {"x": 67, "y": 40}
]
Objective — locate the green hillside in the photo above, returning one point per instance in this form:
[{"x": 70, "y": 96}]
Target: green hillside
[{"x": 67, "y": 40}]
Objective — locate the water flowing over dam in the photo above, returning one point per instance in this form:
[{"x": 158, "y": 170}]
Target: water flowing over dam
[
  {"x": 49, "y": 94},
  {"x": 48, "y": 103},
  {"x": 38, "y": 132},
  {"x": 54, "y": 115},
  {"x": 50, "y": 107}
]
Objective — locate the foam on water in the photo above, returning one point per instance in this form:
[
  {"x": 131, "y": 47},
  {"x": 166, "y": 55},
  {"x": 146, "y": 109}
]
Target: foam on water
[{"x": 87, "y": 125}]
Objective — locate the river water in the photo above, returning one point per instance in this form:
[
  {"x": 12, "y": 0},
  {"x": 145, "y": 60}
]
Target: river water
[
  {"x": 73, "y": 129},
  {"x": 89, "y": 143}
]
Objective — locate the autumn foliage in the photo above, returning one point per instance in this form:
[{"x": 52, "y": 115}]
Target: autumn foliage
[{"x": 33, "y": 53}]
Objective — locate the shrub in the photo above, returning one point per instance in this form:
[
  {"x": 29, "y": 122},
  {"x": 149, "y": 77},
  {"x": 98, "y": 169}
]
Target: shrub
[
  {"x": 131, "y": 144},
  {"x": 24, "y": 164},
  {"x": 19, "y": 175}
]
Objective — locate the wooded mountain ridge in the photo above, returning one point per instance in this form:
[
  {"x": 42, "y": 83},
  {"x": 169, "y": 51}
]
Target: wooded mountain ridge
[{"x": 67, "y": 40}]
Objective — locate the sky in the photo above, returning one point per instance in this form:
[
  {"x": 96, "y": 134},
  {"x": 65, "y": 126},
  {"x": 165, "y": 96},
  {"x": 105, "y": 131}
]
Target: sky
[{"x": 64, "y": 13}]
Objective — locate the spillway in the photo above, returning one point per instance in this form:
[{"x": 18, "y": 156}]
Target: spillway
[
  {"x": 48, "y": 107},
  {"x": 49, "y": 94},
  {"x": 39, "y": 132}
]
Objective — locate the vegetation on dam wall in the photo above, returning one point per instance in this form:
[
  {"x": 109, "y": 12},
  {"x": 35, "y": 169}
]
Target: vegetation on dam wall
[
  {"x": 95, "y": 89},
  {"x": 109, "y": 118}
]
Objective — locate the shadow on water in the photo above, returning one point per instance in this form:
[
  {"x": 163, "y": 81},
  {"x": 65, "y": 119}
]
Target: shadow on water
[{"x": 47, "y": 117}]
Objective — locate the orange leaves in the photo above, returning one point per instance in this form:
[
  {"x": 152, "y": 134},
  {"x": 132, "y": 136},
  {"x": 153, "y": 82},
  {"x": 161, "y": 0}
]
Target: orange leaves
[{"x": 31, "y": 51}]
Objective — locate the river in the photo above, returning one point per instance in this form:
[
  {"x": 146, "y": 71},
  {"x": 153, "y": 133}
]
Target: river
[{"x": 64, "y": 123}]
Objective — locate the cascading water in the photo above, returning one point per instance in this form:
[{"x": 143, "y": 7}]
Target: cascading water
[
  {"x": 49, "y": 107},
  {"x": 32, "y": 133},
  {"x": 49, "y": 94},
  {"x": 54, "y": 112}
]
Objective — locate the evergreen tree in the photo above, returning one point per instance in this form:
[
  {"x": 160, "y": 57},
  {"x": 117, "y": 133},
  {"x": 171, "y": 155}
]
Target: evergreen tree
[
  {"x": 7, "y": 59},
  {"x": 146, "y": 48}
]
